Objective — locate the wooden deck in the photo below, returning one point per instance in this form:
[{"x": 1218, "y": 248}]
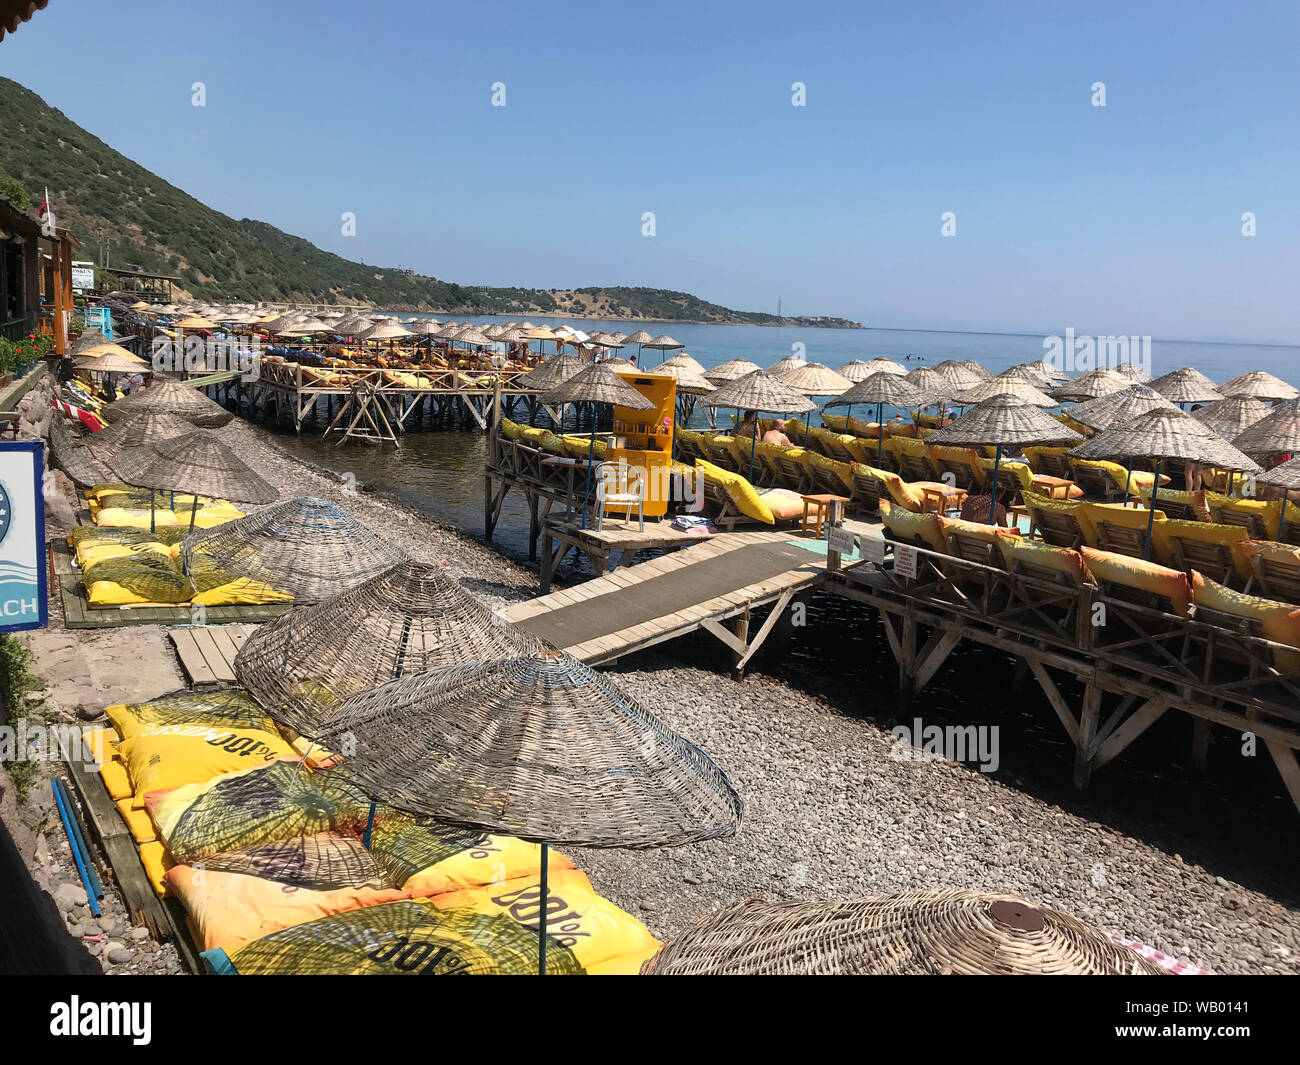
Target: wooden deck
[
  {"x": 711, "y": 585},
  {"x": 207, "y": 652}
]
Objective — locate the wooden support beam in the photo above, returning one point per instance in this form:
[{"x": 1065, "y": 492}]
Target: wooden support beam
[
  {"x": 1141, "y": 720},
  {"x": 1083, "y": 748},
  {"x": 733, "y": 640},
  {"x": 778, "y": 609},
  {"x": 935, "y": 653},
  {"x": 1054, "y": 696},
  {"x": 1284, "y": 758}
]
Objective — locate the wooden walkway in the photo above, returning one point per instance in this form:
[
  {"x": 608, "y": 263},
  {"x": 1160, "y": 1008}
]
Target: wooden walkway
[
  {"x": 207, "y": 652},
  {"x": 712, "y": 585}
]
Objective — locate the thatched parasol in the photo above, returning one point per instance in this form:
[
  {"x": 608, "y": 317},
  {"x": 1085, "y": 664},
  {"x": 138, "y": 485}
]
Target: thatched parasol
[
  {"x": 540, "y": 747},
  {"x": 976, "y": 368},
  {"x": 110, "y": 362},
  {"x": 1133, "y": 373},
  {"x": 1186, "y": 385},
  {"x": 1099, "y": 382},
  {"x": 147, "y": 427},
  {"x": 194, "y": 322},
  {"x": 166, "y": 395},
  {"x": 759, "y": 391},
  {"x": 732, "y": 370},
  {"x": 306, "y": 547},
  {"x": 881, "y": 364},
  {"x": 90, "y": 339},
  {"x": 785, "y": 365},
  {"x": 815, "y": 379},
  {"x": 957, "y": 376},
  {"x": 880, "y": 388},
  {"x": 1286, "y": 476},
  {"x": 856, "y": 371},
  {"x": 409, "y": 618},
  {"x": 384, "y": 331},
  {"x": 1116, "y": 408},
  {"x": 1231, "y": 417},
  {"x": 1007, "y": 384},
  {"x": 926, "y": 933},
  {"x": 70, "y": 453},
  {"x": 552, "y": 372},
  {"x": 1258, "y": 384},
  {"x": 682, "y": 359},
  {"x": 1278, "y": 432},
  {"x": 663, "y": 342}
]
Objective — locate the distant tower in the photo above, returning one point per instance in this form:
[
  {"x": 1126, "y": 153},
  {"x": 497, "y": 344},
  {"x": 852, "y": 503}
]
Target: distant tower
[{"x": 778, "y": 306}]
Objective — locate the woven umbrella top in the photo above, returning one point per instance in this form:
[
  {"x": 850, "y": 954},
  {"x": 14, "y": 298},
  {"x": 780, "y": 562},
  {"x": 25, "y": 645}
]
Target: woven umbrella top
[
  {"x": 886, "y": 365},
  {"x": 785, "y": 365},
  {"x": 474, "y": 335},
  {"x": 1099, "y": 382},
  {"x": 98, "y": 351},
  {"x": 1133, "y": 373},
  {"x": 1285, "y": 475},
  {"x": 552, "y": 372},
  {"x": 682, "y": 359},
  {"x": 1231, "y": 417},
  {"x": 1004, "y": 419},
  {"x": 732, "y": 370},
  {"x": 604, "y": 340},
  {"x": 384, "y": 331},
  {"x": 816, "y": 379},
  {"x": 976, "y": 368},
  {"x": 166, "y": 395},
  {"x": 856, "y": 370},
  {"x": 426, "y": 327},
  {"x": 109, "y": 362},
  {"x": 540, "y": 747},
  {"x": 194, "y": 322},
  {"x": 1278, "y": 432},
  {"x": 1258, "y": 384},
  {"x": 663, "y": 342},
  {"x": 407, "y": 619},
  {"x": 1045, "y": 369},
  {"x": 1003, "y": 385},
  {"x": 597, "y": 383},
  {"x": 509, "y": 334},
  {"x": 1116, "y": 408},
  {"x": 958, "y": 377},
  {"x": 146, "y": 427},
  {"x": 931, "y": 383},
  {"x": 760, "y": 391},
  {"x": 1165, "y": 433},
  {"x": 541, "y": 332},
  {"x": 879, "y": 387},
  {"x": 197, "y": 463},
  {"x": 938, "y": 932},
  {"x": 688, "y": 381},
  {"x": 307, "y": 547},
  {"x": 639, "y": 337},
  {"x": 1187, "y": 385}
]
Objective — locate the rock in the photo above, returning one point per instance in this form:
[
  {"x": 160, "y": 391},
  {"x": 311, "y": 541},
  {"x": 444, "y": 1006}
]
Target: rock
[
  {"x": 70, "y": 895},
  {"x": 91, "y": 930},
  {"x": 118, "y": 954},
  {"x": 140, "y": 934}
]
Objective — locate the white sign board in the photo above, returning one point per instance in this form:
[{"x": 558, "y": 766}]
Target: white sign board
[
  {"x": 905, "y": 561},
  {"x": 842, "y": 540},
  {"x": 83, "y": 277},
  {"x": 872, "y": 548},
  {"x": 23, "y": 602}
]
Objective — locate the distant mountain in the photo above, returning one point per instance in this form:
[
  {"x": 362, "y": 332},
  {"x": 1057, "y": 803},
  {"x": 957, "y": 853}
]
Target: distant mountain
[{"x": 103, "y": 197}]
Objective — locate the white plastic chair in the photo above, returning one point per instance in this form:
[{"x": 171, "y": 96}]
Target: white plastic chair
[{"x": 620, "y": 485}]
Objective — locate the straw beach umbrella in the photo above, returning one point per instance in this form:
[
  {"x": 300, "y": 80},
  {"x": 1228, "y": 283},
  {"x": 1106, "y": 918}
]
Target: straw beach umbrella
[
  {"x": 974, "y": 367},
  {"x": 1164, "y": 434},
  {"x": 925, "y": 933},
  {"x": 814, "y": 379},
  {"x": 759, "y": 391},
  {"x": 147, "y": 427},
  {"x": 881, "y": 364},
  {"x": 785, "y": 365},
  {"x": 663, "y": 342},
  {"x": 1007, "y": 384},
  {"x": 540, "y": 747},
  {"x": 597, "y": 383},
  {"x": 855, "y": 371},
  {"x": 640, "y": 338},
  {"x": 1277, "y": 433},
  {"x": 1116, "y": 408},
  {"x": 1286, "y": 476},
  {"x": 1099, "y": 382},
  {"x": 732, "y": 370},
  {"x": 554, "y": 370},
  {"x": 1133, "y": 373},
  {"x": 1232, "y": 417},
  {"x": 880, "y": 388},
  {"x": 306, "y": 547},
  {"x": 120, "y": 361},
  {"x": 406, "y": 619},
  {"x": 1186, "y": 385},
  {"x": 691, "y": 384},
  {"x": 1258, "y": 384},
  {"x": 683, "y": 360},
  {"x": 1005, "y": 418},
  {"x": 167, "y": 395}
]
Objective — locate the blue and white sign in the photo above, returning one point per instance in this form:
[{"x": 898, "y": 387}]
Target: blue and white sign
[{"x": 23, "y": 591}]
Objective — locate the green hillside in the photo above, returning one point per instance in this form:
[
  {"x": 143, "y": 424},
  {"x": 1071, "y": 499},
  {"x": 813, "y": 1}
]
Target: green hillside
[{"x": 104, "y": 197}]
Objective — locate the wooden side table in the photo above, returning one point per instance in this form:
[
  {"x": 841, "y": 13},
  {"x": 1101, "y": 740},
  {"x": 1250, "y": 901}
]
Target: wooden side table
[
  {"x": 1052, "y": 487},
  {"x": 816, "y": 509},
  {"x": 941, "y": 496}
]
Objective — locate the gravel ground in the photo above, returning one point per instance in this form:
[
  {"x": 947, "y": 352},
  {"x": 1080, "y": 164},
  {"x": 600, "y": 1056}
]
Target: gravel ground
[{"x": 829, "y": 812}]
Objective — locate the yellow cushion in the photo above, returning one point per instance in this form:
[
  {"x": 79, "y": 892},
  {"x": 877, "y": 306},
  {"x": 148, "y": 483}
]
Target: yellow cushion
[
  {"x": 1089, "y": 514},
  {"x": 116, "y": 779},
  {"x": 1268, "y": 511},
  {"x": 739, "y": 491},
  {"x": 977, "y": 529},
  {"x": 842, "y": 470},
  {"x": 552, "y": 443},
  {"x": 1120, "y": 475},
  {"x": 1038, "y": 555},
  {"x": 1108, "y": 566},
  {"x": 101, "y": 743},
  {"x": 784, "y": 504},
  {"x": 1271, "y": 551},
  {"x": 909, "y": 527},
  {"x": 1279, "y": 622},
  {"x": 154, "y": 858},
  {"x": 137, "y": 819},
  {"x": 240, "y": 590},
  {"x": 1196, "y": 500},
  {"x": 513, "y": 430},
  {"x": 1033, "y": 454},
  {"x": 1230, "y": 536},
  {"x": 899, "y": 490}
]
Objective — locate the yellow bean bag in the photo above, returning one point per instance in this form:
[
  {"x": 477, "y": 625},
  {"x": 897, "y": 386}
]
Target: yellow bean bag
[
  {"x": 1171, "y": 584},
  {"x": 552, "y": 443},
  {"x": 899, "y": 490},
  {"x": 911, "y": 527},
  {"x": 979, "y": 530},
  {"x": 89, "y": 552},
  {"x": 739, "y": 491},
  {"x": 1037, "y": 555},
  {"x": 1230, "y": 536},
  {"x": 1279, "y": 622},
  {"x": 512, "y": 430},
  {"x": 242, "y": 591}
]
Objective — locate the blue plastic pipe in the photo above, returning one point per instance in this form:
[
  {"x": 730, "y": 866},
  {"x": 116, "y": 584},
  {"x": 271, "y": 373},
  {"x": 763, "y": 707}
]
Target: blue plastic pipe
[{"x": 76, "y": 853}]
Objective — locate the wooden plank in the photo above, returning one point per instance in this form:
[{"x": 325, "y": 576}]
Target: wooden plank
[
  {"x": 211, "y": 653},
  {"x": 192, "y": 660}
]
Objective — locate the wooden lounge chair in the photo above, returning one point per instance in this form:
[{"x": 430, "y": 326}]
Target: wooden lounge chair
[
  {"x": 721, "y": 455},
  {"x": 868, "y": 490},
  {"x": 1095, "y": 482},
  {"x": 1052, "y": 464},
  {"x": 961, "y": 464},
  {"x": 1121, "y": 539},
  {"x": 1275, "y": 576},
  {"x": 1226, "y": 514},
  {"x": 1056, "y": 522}
]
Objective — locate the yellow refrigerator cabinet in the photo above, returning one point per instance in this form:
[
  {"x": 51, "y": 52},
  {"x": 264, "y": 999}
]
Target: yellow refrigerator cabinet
[{"x": 644, "y": 438}]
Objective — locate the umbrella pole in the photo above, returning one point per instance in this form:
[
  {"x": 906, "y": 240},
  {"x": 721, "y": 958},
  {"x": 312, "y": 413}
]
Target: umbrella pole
[
  {"x": 541, "y": 920},
  {"x": 153, "y": 508},
  {"x": 753, "y": 444},
  {"x": 993, "y": 488},
  {"x": 1128, "y": 480},
  {"x": 370, "y": 825},
  {"x": 591, "y": 451},
  {"x": 1151, "y": 515},
  {"x": 880, "y": 436},
  {"x": 1281, "y": 516}
]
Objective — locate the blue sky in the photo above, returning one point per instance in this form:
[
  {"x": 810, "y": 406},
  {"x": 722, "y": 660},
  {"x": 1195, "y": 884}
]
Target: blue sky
[{"x": 1122, "y": 219}]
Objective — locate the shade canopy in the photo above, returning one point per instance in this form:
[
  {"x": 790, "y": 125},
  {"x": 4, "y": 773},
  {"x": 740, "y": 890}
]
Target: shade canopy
[
  {"x": 169, "y": 396},
  {"x": 597, "y": 383},
  {"x": 1099, "y": 382},
  {"x": 760, "y": 391},
  {"x": 196, "y": 462},
  {"x": 682, "y": 359},
  {"x": 110, "y": 362},
  {"x": 931, "y": 385},
  {"x": 958, "y": 377},
  {"x": 976, "y": 368},
  {"x": 1004, "y": 419},
  {"x": 1008, "y": 384},
  {"x": 663, "y": 342},
  {"x": 1276, "y": 433},
  {"x": 1285, "y": 475},
  {"x": 92, "y": 338},
  {"x": 306, "y": 547},
  {"x": 639, "y": 337},
  {"x": 384, "y": 331},
  {"x": 815, "y": 379},
  {"x": 879, "y": 387},
  {"x": 925, "y": 933},
  {"x": 1116, "y": 408},
  {"x": 554, "y": 370},
  {"x": 1186, "y": 385},
  {"x": 785, "y": 365},
  {"x": 541, "y": 332},
  {"x": 881, "y": 364},
  {"x": 1231, "y": 417},
  {"x": 194, "y": 322},
  {"x": 1133, "y": 372},
  {"x": 1165, "y": 433},
  {"x": 1258, "y": 384},
  {"x": 732, "y": 370},
  {"x": 407, "y": 620},
  {"x": 855, "y": 371},
  {"x": 146, "y": 427},
  {"x": 540, "y": 747}
]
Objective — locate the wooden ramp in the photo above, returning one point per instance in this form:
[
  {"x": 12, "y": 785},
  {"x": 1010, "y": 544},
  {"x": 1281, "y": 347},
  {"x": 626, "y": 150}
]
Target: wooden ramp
[
  {"x": 207, "y": 653},
  {"x": 712, "y": 585}
]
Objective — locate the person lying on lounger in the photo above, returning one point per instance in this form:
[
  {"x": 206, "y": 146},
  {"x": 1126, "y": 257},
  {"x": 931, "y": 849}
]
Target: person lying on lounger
[{"x": 776, "y": 435}]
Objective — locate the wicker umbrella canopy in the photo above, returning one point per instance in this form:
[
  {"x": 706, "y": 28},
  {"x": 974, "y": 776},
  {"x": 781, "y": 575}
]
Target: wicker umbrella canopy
[
  {"x": 306, "y": 547},
  {"x": 1231, "y": 417},
  {"x": 98, "y": 351},
  {"x": 1045, "y": 369},
  {"x": 197, "y": 463},
  {"x": 169, "y": 396},
  {"x": 1187, "y": 385},
  {"x": 425, "y": 327},
  {"x": 509, "y": 334},
  {"x": 760, "y": 391},
  {"x": 540, "y": 332},
  {"x": 978, "y": 370},
  {"x": 816, "y": 379},
  {"x": 1165, "y": 433},
  {"x": 680, "y": 359},
  {"x": 194, "y": 322},
  {"x": 732, "y": 370},
  {"x": 689, "y": 381},
  {"x": 147, "y": 427},
  {"x": 405, "y": 620},
  {"x": 597, "y": 383},
  {"x": 1099, "y": 382},
  {"x": 930, "y": 933},
  {"x": 474, "y": 335},
  {"x": 1258, "y": 384},
  {"x": 1278, "y": 432},
  {"x": 1004, "y": 418},
  {"x": 540, "y": 747},
  {"x": 1007, "y": 384},
  {"x": 305, "y": 327},
  {"x": 855, "y": 371},
  {"x": 384, "y": 331},
  {"x": 785, "y": 365},
  {"x": 958, "y": 377},
  {"x": 552, "y": 372},
  {"x": 639, "y": 337},
  {"x": 1117, "y": 408},
  {"x": 1285, "y": 475},
  {"x": 109, "y": 362},
  {"x": 663, "y": 342},
  {"x": 879, "y": 387},
  {"x": 1133, "y": 373},
  {"x": 882, "y": 364},
  {"x": 70, "y": 454}
]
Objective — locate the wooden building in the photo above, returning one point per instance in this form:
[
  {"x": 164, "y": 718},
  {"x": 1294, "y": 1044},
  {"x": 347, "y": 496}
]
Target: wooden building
[{"x": 20, "y": 284}]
